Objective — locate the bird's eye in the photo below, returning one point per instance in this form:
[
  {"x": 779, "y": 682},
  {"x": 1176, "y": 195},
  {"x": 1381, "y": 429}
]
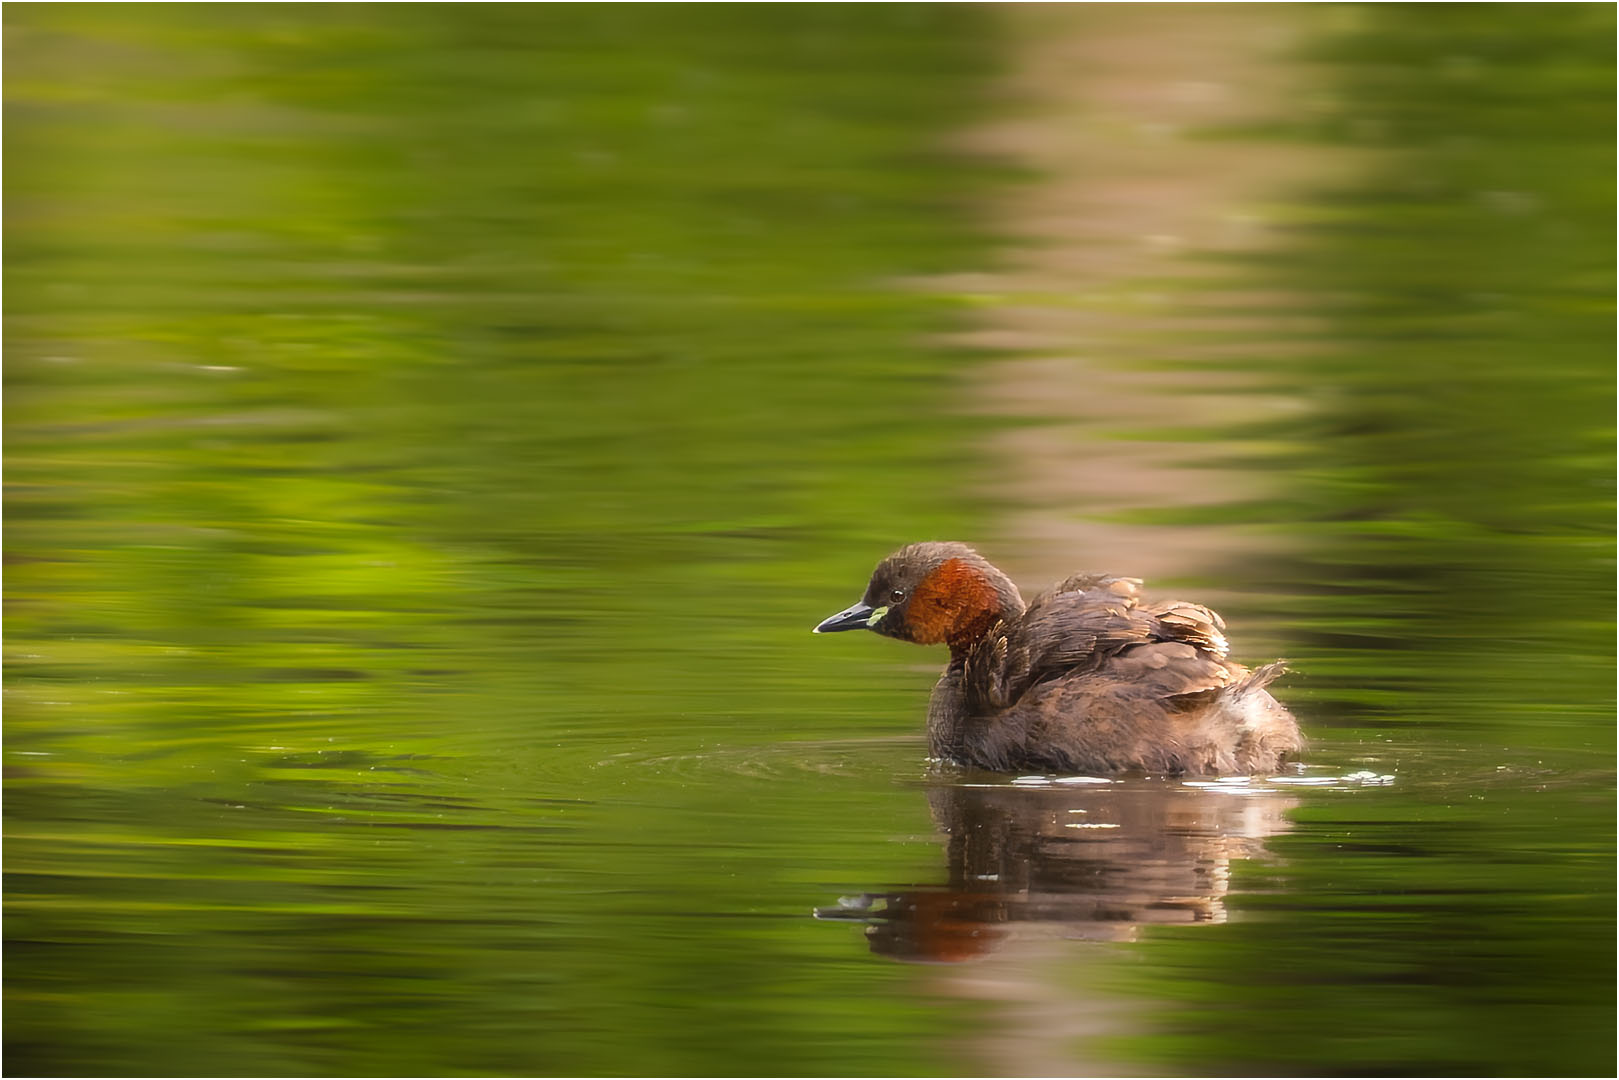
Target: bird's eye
[{"x": 897, "y": 595}]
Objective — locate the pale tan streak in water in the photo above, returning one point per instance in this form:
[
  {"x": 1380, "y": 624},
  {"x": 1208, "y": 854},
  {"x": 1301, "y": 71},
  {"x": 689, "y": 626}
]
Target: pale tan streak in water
[
  {"x": 1111, "y": 106},
  {"x": 1106, "y": 104}
]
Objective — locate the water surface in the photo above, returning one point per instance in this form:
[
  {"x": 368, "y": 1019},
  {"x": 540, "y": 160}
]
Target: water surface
[{"x": 433, "y": 431}]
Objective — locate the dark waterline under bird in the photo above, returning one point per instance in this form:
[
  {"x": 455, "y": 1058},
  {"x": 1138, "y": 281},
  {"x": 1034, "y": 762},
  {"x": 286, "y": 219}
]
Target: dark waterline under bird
[{"x": 1087, "y": 678}]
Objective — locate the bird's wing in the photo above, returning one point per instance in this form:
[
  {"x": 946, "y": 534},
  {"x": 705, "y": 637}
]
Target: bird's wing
[{"x": 1093, "y": 624}]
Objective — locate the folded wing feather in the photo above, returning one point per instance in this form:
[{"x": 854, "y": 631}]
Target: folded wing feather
[{"x": 1094, "y": 623}]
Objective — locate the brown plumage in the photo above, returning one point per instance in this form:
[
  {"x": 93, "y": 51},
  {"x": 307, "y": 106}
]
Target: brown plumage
[{"x": 1086, "y": 678}]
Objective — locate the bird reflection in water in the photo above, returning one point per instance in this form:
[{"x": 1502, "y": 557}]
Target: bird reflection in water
[{"x": 1071, "y": 857}]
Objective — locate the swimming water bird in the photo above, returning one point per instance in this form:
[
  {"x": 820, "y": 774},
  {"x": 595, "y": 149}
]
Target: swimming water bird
[{"x": 1088, "y": 678}]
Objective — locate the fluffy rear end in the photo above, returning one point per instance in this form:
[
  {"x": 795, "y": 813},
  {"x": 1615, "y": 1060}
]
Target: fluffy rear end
[{"x": 1101, "y": 726}]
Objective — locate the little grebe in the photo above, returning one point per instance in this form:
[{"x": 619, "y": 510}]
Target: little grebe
[{"x": 1086, "y": 678}]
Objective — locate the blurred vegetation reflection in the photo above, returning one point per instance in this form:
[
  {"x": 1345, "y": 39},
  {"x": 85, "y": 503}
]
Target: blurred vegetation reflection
[
  {"x": 426, "y": 424},
  {"x": 1455, "y": 615},
  {"x": 432, "y": 430}
]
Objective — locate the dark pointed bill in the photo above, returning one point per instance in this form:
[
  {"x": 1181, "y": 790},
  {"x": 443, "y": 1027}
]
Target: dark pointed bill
[{"x": 859, "y": 617}]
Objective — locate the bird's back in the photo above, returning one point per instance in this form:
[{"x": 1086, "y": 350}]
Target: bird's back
[{"x": 1091, "y": 679}]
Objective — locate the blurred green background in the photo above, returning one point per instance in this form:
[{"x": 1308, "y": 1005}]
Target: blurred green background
[{"x": 432, "y": 430}]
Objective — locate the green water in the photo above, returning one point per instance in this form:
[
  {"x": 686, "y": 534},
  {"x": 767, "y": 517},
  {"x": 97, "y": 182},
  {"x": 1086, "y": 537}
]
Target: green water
[{"x": 431, "y": 432}]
